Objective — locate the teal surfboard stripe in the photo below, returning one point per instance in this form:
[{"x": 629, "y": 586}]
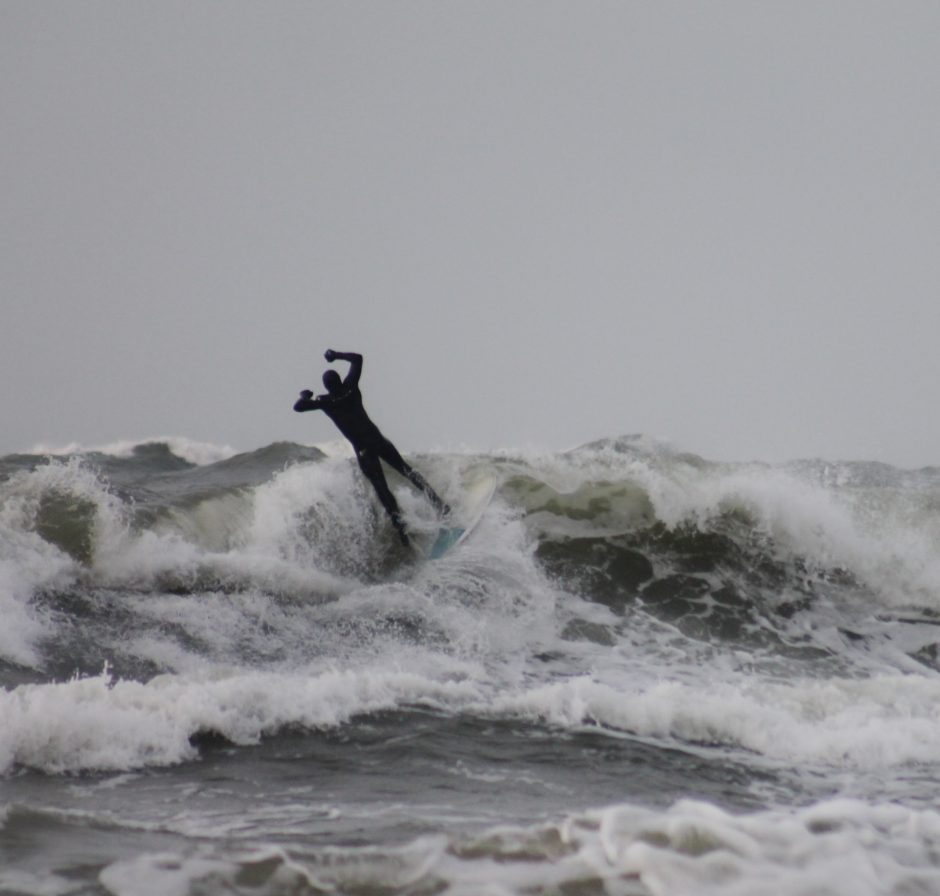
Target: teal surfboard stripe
[{"x": 445, "y": 540}]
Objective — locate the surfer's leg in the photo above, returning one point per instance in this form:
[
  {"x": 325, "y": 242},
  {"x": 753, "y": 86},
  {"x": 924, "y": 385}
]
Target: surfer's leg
[
  {"x": 389, "y": 453},
  {"x": 372, "y": 470}
]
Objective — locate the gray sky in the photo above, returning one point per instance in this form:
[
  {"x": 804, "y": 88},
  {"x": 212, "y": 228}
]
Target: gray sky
[{"x": 542, "y": 223}]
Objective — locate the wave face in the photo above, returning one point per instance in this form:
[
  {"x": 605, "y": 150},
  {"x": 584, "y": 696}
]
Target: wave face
[{"x": 751, "y": 635}]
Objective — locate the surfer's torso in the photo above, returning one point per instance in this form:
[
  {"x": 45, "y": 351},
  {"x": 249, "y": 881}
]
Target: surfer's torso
[{"x": 345, "y": 409}]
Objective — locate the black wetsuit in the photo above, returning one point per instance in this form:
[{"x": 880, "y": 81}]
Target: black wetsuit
[{"x": 343, "y": 405}]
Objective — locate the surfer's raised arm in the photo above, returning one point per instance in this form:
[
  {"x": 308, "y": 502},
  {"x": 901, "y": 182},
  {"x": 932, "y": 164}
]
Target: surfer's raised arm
[{"x": 355, "y": 364}]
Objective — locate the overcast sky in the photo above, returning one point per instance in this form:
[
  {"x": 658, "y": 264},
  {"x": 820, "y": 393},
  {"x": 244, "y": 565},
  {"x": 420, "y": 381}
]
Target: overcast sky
[{"x": 542, "y": 223}]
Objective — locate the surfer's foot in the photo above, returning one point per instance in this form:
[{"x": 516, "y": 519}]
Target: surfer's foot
[
  {"x": 403, "y": 535},
  {"x": 445, "y": 509}
]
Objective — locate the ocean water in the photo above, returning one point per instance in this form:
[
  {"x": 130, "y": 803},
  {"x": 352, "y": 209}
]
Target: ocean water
[{"x": 643, "y": 673}]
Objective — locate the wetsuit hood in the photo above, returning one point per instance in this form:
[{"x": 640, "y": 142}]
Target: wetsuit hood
[{"x": 332, "y": 381}]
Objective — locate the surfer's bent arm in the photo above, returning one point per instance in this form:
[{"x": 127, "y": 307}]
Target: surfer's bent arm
[
  {"x": 307, "y": 403},
  {"x": 355, "y": 362}
]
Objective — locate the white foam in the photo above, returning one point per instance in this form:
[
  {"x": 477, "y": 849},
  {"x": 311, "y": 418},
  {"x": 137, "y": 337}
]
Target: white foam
[
  {"x": 36, "y": 883},
  {"x": 25, "y": 564},
  {"x": 272, "y": 870},
  {"x": 310, "y": 510},
  {"x": 100, "y": 723},
  {"x": 876, "y": 723},
  {"x": 27, "y": 561},
  {"x": 165, "y": 874},
  {"x": 842, "y": 848},
  {"x": 837, "y": 848}
]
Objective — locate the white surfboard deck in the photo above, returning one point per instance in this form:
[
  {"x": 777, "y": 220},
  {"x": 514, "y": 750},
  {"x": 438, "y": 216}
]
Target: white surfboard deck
[{"x": 465, "y": 515}]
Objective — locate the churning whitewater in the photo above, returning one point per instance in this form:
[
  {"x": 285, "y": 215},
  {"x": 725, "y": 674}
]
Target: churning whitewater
[{"x": 643, "y": 673}]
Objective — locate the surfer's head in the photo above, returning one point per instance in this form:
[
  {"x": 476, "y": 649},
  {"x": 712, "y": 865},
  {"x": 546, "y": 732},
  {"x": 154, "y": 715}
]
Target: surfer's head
[{"x": 332, "y": 381}]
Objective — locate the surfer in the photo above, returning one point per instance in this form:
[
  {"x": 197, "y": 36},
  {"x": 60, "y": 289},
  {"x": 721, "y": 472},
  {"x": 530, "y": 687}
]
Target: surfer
[{"x": 342, "y": 403}]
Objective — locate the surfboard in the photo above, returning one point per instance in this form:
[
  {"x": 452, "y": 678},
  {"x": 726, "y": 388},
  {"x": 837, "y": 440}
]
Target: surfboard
[{"x": 465, "y": 516}]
